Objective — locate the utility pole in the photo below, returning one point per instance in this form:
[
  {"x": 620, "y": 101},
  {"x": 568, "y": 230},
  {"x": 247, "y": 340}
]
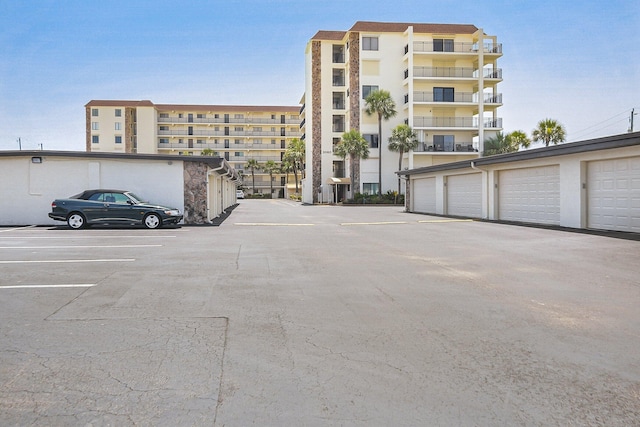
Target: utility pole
[
  {"x": 633, "y": 113},
  {"x": 19, "y": 144}
]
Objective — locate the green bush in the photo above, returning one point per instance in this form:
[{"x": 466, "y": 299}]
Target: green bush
[{"x": 389, "y": 198}]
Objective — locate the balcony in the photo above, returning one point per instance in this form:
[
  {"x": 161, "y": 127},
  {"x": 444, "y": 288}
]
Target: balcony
[
  {"x": 455, "y": 47},
  {"x": 453, "y": 73},
  {"x": 461, "y": 97},
  {"x": 229, "y": 120},
  {"x": 459, "y": 147},
  {"x": 455, "y": 122},
  {"x": 222, "y": 133}
]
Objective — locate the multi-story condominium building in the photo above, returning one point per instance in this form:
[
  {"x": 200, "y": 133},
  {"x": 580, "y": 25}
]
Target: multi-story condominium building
[
  {"x": 236, "y": 133},
  {"x": 443, "y": 79}
]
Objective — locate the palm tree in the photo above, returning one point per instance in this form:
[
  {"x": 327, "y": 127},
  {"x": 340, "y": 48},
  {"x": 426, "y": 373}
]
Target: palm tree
[
  {"x": 271, "y": 167},
  {"x": 295, "y": 156},
  {"x": 380, "y": 102},
  {"x": 355, "y": 146},
  {"x": 549, "y": 130},
  {"x": 402, "y": 140},
  {"x": 253, "y": 165},
  {"x": 509, "y": 143}
]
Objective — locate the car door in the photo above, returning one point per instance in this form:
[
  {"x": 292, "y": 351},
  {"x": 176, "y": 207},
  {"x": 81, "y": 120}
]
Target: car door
[
  {"x": 119, "y": 208},
  {"x": 95, "y": 208}
]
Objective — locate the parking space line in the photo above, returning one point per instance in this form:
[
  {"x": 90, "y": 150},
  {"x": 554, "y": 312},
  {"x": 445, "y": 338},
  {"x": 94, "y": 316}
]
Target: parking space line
[
  {"x": 79, "y": 285},
  {"x": 81, "y": 247},
  {"x": 17, "y": 228},
  {"x": 50, "y": 261},
  {"x": 444, "y": 220},
  {"x": 117, "y": 236},
  {"x": 271, "y": 224},
  {"x": 374, "y": 223}
]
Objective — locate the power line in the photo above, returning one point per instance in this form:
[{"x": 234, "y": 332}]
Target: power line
[{"x": 601, "y": 125}]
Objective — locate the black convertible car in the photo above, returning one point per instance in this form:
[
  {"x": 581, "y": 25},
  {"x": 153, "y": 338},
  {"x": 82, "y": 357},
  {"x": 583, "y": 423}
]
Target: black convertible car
[{"x": 111, "y": 207}]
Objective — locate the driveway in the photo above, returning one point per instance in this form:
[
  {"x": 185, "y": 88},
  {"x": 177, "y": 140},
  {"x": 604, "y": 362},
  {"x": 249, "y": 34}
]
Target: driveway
[{"x": 291, "y": 315}]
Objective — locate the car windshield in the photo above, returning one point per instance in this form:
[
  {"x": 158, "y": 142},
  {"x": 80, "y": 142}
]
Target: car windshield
[{"x": 136, "y": 198}]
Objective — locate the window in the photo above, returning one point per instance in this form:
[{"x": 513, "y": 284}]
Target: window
[
  {"x": 118, "y": 139},
  {"x": 118, "y": 126},
  {"x": 95, "y": 126},
  {"x": 338, "y": 54},
  {"x": 338, "y": 124},
  {"x": 164, "y": 140},
  {"x": 367, "y": 89},
  {"x": 199, "y": 141},
  {"x": 257, "y": 141},
  {"x": 95, "y": 139},
  {"x": 238, "y": 129},
  {"x": 201, "y": 116},
  {"x": 164, "y": 127},
  {"x": 442, "y": 45},
  {"x": 239, "y": 154},
  {"x": 238, "y": 116},
  {"x": 372, "y": 139},
  {"x": 369, "y": 43},
  {"x": 443, "y": 142},
  {"x": 164, "y": 115},
  {"x": 370, "y": 188},
  {"x": 443, "y": 94},
  {"x": 118, "y": 112},
  {"x": 94, "y": 112},
  {"x": 338, "y": 77}
]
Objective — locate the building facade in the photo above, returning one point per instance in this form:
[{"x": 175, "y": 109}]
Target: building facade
[
  {"x": 443, "y": 79},
  {"x": 235, "y": 133}
]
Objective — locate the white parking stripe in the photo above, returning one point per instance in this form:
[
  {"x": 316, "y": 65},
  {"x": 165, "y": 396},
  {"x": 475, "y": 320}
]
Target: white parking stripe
[
  {"x": 374, "y": 223},
  {"x": 80, "y": 285},
  {"x": 272, "y": 224},
  {"x": 17, "y": 228},
  {"x": 121, "y": 236},
  {"x": 80, "y": 246},
  {"x": 44, "y": 261}
]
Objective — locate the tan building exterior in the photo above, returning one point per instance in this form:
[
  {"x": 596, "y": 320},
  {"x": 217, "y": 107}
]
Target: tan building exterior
[
  {"x": 235, "y": 133},
  {"x": 442, "y": 77}
]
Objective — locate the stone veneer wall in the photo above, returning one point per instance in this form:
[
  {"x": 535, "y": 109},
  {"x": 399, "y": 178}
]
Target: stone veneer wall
[
  {"x": 87, "y": 121},
  {"x": 195, "y": 192},
  {"x": 129, "y": 130},
  {"x": 354, "y": 99},
  {"x": 316, "y": 118}
]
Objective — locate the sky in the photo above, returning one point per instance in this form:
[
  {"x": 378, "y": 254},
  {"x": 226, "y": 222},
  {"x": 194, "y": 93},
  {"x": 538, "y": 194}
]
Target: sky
[{"x": 577, "y": 62}]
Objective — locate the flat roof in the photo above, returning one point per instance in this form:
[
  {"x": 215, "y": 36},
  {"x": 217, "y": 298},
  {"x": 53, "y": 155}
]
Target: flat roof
[
  {"x": 605, "y": 143},
  {"x": 193, "y": 107}
]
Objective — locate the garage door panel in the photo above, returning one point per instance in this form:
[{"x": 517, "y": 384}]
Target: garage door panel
[
  {"x": 530, "y": 195},
  {"x": 464, "y": 195},
  {"x": 424, "y": 195},
  {"x": 613, "y": 195}
]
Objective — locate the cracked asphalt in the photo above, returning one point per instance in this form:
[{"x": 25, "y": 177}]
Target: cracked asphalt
[{"x": 291, "y": 315}]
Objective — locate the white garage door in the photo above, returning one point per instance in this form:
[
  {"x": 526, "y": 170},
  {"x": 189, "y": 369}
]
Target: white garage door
[
  {"x": 530, "y": 195},
  {"x": 613, "y": 193},
  {"x": 424, "y": 195},
  {"x": 464, "y": 195}
]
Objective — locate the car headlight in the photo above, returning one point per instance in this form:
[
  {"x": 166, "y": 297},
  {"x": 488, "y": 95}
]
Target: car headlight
[{"x": 172, "y": 212}]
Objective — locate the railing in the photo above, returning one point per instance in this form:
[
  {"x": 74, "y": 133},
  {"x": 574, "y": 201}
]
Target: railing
[
  {"x": 222, "y": 133},
  {"x": 458, "y": 97},
  {"x": 457, "y": 47},
  {"x": 453, "y": 72},
  {"x": 231, "y": 120},
  {"x": 338, "y": 81},
  {"x": 454, "y": 122},
  {"x": 222, "y": 147},
  {"x": 457, "y": 147}
]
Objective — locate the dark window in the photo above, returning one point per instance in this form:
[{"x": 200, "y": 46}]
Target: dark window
[
  {"x": 443, "y": 142},
  {"x": 443, "y": 94},
  {"x": 372, "y": 139},
  {"x": 367, "y": 89},
  {"x": 369, "y": 43},
  {"x": 442, "y": 45}
]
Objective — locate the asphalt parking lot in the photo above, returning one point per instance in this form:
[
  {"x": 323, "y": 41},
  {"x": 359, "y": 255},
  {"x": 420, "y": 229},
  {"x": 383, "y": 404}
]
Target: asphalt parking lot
[{"x": 290, "y": 315}]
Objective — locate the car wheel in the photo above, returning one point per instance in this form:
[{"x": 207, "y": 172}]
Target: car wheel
[
  {"x": 76, "y": 220},
  {"x": 152, "y": 221}
]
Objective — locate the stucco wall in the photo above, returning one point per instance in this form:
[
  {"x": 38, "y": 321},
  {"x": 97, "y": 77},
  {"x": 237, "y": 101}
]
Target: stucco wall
[{"x": 27, "y": 197}]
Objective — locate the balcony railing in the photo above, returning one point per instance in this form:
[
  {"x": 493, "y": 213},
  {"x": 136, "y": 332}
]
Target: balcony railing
[
  {"x": 222, "y": 133},
  {"x": 230, "y": 120},
  {"x": 455, "y": 122},
  {"x": 453, "y": 72},
  {"x": 457, "y": 147},
  {"x": 457, "y": 47},
  {"x": 466, "y": 97}
]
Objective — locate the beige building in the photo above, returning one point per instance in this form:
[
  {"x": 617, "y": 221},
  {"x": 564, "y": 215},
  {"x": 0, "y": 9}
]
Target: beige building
[
  {"x": 442, "y": 77},
  {"x": 235, "y": 133}
]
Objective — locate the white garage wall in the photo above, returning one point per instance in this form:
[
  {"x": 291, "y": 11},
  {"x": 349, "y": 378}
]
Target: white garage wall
[{"x": 36, "y": 185}]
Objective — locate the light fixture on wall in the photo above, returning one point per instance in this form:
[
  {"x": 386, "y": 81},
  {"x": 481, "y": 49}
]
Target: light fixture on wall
[{"x": 36, "y": 160}]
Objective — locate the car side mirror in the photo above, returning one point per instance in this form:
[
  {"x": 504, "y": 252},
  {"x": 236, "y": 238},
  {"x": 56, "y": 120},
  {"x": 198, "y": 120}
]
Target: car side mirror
[{"x": 130, "y": 202}]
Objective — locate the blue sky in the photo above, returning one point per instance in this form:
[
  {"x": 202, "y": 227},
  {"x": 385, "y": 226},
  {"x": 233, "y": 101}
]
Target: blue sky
[{"x": 574, "y": 61}]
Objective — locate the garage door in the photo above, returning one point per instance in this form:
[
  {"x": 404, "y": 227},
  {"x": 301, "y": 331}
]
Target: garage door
[
  {"x": 424, "y": 195},
  {"x": 530, "y": 195},
  {"x": 464, "y": 195},
  {"x": 613, "y": 194}
]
